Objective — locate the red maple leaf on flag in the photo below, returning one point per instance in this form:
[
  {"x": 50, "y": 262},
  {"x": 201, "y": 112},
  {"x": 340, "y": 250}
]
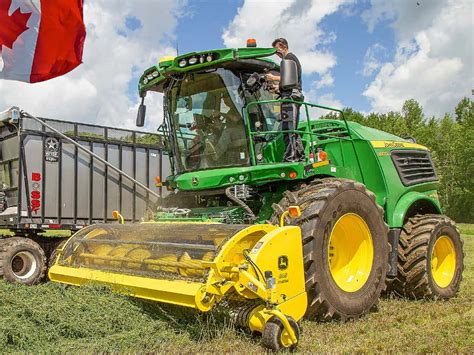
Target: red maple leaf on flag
[{"x": 11, "y": 27}]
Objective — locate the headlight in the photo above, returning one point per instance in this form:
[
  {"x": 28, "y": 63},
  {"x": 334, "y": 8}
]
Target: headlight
[
  {"x": 209, "y": 58},
  {"x": 192, "y": 60},
  {"x": 150, "y": 77},
  {"x": 145, "y": 81},
  {"x": 201, "y": 59},
  {"x": 182, "y": 63},
  {"x": 155, "y": 74}
]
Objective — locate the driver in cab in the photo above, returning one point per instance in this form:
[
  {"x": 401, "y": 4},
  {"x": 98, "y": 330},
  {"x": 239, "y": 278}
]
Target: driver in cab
[{"x": 227, "y": 145}]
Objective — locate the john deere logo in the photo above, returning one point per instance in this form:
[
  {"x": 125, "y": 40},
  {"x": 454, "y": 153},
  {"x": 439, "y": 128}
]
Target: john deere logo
[
  {"x": 195, "y": 181},
  {"x": 283, "y": 262}
]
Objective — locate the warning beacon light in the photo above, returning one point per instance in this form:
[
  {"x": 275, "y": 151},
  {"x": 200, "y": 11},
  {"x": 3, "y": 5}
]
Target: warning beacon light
[{"x": 251, "y": 42}]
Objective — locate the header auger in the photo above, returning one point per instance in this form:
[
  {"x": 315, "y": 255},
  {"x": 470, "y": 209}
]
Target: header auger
[{"x": 367, "y": 199}]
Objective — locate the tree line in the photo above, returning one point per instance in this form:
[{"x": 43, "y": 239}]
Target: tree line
[{"x": 450, "y": 139}]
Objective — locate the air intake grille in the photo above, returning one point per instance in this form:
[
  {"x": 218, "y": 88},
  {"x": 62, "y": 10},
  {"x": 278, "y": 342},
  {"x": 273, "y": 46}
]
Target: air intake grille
[{"x": 414, "y": 166}]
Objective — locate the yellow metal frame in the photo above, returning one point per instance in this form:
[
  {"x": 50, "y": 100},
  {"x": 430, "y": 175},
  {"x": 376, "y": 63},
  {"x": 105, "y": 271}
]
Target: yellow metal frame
[
  {"x": 118, "y": 216},
  {"x": 292, "y": 211},
  {"x": 239, "y": 266}
]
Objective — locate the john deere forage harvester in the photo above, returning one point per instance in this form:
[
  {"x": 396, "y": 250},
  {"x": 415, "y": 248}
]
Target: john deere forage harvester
[{"x": 370, "y": 214}]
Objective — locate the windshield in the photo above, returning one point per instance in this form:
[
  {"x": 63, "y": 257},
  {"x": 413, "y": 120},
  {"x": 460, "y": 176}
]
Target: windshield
[{"x": 206, "y": 115}]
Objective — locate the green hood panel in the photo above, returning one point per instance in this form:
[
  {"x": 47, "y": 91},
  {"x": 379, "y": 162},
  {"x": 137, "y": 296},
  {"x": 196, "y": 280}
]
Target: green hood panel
[{"x": 372, "y": 134}]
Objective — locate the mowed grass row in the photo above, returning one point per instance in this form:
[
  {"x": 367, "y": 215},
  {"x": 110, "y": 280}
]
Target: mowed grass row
[{"x": 52, "y": 318}]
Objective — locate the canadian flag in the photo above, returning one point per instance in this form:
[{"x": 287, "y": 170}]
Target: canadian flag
[{"x": 40, "y": 39}]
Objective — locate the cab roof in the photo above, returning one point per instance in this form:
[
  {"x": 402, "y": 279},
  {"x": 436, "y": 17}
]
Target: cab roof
[{"x": 154, "y": 77}]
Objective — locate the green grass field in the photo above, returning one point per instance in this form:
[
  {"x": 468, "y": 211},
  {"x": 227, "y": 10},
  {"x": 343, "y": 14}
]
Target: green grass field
[{"x": 52, "y": 318}]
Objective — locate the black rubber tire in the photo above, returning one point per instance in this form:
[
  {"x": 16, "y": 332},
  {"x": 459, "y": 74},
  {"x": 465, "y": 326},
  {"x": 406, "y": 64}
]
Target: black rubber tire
[
  {"x": 9, "y": 251},
  {"x": 54, "y": 254},
  {"x": 271, "y": 336},
  {"x": 1, "y": 260},
  {"x": 322, "y": 202},
  {"x": 417, "y": 238},
  {"x": 3, "y": 201}
]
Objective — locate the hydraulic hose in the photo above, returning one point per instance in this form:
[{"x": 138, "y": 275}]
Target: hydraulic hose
[{"x": 228, "y": 193}]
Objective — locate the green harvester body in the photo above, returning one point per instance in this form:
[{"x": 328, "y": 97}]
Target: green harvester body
[{"x": 353, "y": 151}]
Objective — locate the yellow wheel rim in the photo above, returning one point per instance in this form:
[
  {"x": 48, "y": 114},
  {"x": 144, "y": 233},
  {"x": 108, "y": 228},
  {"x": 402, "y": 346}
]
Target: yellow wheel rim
[
  {"x": 443, "y": 261},
  {"x": 350, "y": 252}
]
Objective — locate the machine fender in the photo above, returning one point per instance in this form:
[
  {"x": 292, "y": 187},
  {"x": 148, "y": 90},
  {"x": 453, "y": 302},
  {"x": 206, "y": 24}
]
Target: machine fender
[
  {"x": 404, "y": 204},
  {"x": 393, "y": 239}
]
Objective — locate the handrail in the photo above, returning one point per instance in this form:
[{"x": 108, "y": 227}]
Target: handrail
[
  {"x": 307, "y": 130},
  {"x": 87, "y": 151},
  {"x": 296, "y": 102}
]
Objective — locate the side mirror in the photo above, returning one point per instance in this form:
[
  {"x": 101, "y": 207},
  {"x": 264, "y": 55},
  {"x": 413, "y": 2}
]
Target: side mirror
[
  {"x": 288, "y": 74},
  {"x": 141, "y": 115}
]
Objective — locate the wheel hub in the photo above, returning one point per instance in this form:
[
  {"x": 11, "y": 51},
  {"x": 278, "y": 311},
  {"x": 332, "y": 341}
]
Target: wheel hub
[
  {"x": 23, "y": 264},
  {"x": 443, "y": 261},
  {"x": 350, "y": 252}
]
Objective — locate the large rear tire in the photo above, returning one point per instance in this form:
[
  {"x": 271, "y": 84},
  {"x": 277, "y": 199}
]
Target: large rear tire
[
  {"x": 430, "y": 259},
  {"x": 345, "y": 247},
  {"x": 22, "y": 260}
]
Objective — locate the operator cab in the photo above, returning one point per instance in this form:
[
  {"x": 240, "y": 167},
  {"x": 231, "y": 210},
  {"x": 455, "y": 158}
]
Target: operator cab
[
  {"x": 206, "y": 120},
  {"x": 206, "y": 114}
]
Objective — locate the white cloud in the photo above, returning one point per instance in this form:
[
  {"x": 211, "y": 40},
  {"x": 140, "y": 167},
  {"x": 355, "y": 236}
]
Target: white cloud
[
  {"x": 372, "y": 59},
  {"x": 326, "y": 80},
  {"x": 433, "y": 60},
  {"x": 326, "y": 99},
  {"x": 408, "y": 16},
  {"x": 97, "y": 91},
  {"x": 296, "y": 20},
  {"x": 330, "y": 101},
  {"x": 317, "y": 62}
]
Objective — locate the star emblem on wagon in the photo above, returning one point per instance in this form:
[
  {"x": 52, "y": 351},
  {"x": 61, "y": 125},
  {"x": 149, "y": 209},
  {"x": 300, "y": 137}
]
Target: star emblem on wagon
[{"x": 52, "y": 144}]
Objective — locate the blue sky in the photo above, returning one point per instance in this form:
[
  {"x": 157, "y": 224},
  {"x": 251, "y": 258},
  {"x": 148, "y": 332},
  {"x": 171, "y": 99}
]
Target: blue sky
[
  {"x": 204, "y": 21},
  {"x": 350, "y": 47},
  {"x": 370, "y": 55}
]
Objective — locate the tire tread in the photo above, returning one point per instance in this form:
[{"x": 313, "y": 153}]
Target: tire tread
[
  {"x": 312, "y": 199},
  {"x": 11, "y": 242},
  {"x": 412, "y": 280}
]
